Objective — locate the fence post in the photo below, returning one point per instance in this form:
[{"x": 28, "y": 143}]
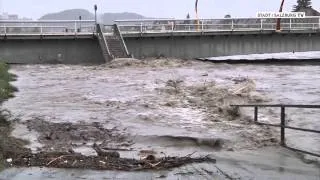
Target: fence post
[
  {"x": 75, "y": 27},
  {"x": 172, "y": 26},
  {"x": 141, "y": 27},
  {"x": 5, "y": 30},
  {"x": 232, "y": 25},
  {"x": 261, "y": 24},
  {"x": 283, "y": 123},
  {"x": 202, "y": 26},
  {"x": 256, "y": 114},
  {"x": 290, "y": 25},
  {"x": 41, "y": 30}
]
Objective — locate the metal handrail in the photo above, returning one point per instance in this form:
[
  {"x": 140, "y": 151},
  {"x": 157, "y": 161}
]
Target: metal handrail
[
  {"x": 205, "y": 19},
  {"x": 209, "y": 25},
  {"x": 46, "y": 21},
  {"x": 123, "y": 43},
  {"x": 176, "y": 25},
  {"x": 44, "y": 27},
  {"x": 282, "y": 124},
  {"x": 102, "y": 40}
]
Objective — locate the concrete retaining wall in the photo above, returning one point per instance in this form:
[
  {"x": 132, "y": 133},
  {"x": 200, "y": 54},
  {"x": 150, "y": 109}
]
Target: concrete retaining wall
[
  {"x": 221, "y": 45},
  {"x": 87, "y": 49},
  {"x": 59, "y": 50}
]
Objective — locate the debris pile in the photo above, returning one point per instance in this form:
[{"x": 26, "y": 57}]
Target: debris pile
[{"x": 78, "y": 161}]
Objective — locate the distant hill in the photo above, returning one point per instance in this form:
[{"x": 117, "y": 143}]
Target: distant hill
[
  {"x": 106, "y": 18},
  {"x": 72, "y": 14}
]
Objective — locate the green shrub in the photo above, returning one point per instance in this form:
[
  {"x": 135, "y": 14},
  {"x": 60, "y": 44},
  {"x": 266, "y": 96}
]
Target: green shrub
[{"x": 6, "y": 90}]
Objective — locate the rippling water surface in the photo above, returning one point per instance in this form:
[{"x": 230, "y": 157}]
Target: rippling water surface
[
  {"x": 95, "y": 93},
  {"x": 288, "y": 85}
]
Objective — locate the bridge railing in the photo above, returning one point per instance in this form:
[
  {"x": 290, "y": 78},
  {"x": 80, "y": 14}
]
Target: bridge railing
[
  {"x": 108, "y": 29},
  {"x": 49, "y": 27},
  {"x": 212, "y": 25},
  {"x": 156, "y": 25}
]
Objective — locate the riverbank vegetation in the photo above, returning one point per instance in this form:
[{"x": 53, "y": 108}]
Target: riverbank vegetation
[
  {"x": 6, "y": 89},
  {"x": 8, "y": 144}
]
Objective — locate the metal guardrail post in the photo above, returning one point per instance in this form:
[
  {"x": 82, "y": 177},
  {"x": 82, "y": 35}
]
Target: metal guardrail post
[
  {"x": 283, "y": 123},
  {"x": 41, "y": 30},
  {"x": 141, "y": 27},
  {"x": 256, "y": 114},
  {"x": 290, "y": 24},
  {"x": 202, "y": 26},
  {"x": 261, "y": 24},
  {"x": 172, "y": 26},
  {"x": 75, "y": 27},
  {"x": 232, "y": 24}
]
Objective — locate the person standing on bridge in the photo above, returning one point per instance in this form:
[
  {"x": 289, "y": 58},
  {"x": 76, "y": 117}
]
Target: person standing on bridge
[
  {"x": 171, "y": 25},
  {"x": 187, "y": 22}
]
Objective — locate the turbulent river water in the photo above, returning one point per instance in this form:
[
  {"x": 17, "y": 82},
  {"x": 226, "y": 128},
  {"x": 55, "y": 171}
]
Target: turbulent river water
[{"x": 126, "y": 98}]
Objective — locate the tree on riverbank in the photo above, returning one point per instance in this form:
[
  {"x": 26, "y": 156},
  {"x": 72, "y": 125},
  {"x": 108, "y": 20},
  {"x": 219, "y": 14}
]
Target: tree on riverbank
[{"x": 302, "y": 4}]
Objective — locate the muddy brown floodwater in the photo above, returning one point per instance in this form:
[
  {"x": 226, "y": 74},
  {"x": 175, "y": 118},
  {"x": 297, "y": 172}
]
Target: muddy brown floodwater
[{"x": 162, "y": 107}]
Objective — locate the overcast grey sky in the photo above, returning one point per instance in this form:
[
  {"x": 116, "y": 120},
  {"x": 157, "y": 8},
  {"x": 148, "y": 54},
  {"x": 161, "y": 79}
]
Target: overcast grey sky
[{"x": 150, "y": 8}]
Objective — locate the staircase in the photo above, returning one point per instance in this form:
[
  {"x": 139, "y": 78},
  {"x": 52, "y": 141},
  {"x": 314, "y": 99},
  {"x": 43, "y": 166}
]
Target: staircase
[
  {"x": 116, "y": 47},
  {"x": 112, "y": 45},
  {"x": 116, "y": 44}
]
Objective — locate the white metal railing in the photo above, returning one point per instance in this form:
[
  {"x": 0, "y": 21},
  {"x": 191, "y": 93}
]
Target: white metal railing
[
  {"x": 47, "y": 27},
  {"x": 64, "y": 27},
  {"x": 108, "y": 30},
  {"x": 212, "y": 25}
]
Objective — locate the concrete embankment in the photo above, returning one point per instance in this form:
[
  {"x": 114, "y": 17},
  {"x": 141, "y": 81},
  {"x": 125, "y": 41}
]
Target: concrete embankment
[
  {"x": 217, "y": 44},
  {"x": 66, "y": 50}
]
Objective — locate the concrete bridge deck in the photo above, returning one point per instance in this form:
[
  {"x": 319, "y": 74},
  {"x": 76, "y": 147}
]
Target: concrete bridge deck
[
  {"x": 183, "y": 38},
  {"x": 24, "y": 41}
]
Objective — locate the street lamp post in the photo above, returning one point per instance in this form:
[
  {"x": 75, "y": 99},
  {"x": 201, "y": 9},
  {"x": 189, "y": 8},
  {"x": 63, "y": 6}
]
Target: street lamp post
[
  {"x": 95, "y": 13},
  {"x": 80, "y": 23}
]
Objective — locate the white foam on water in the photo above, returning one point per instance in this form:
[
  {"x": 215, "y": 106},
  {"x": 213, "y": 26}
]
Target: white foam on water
[
  {"x": 22, "y": 132},
  {"x": 285, "y": 55}
]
